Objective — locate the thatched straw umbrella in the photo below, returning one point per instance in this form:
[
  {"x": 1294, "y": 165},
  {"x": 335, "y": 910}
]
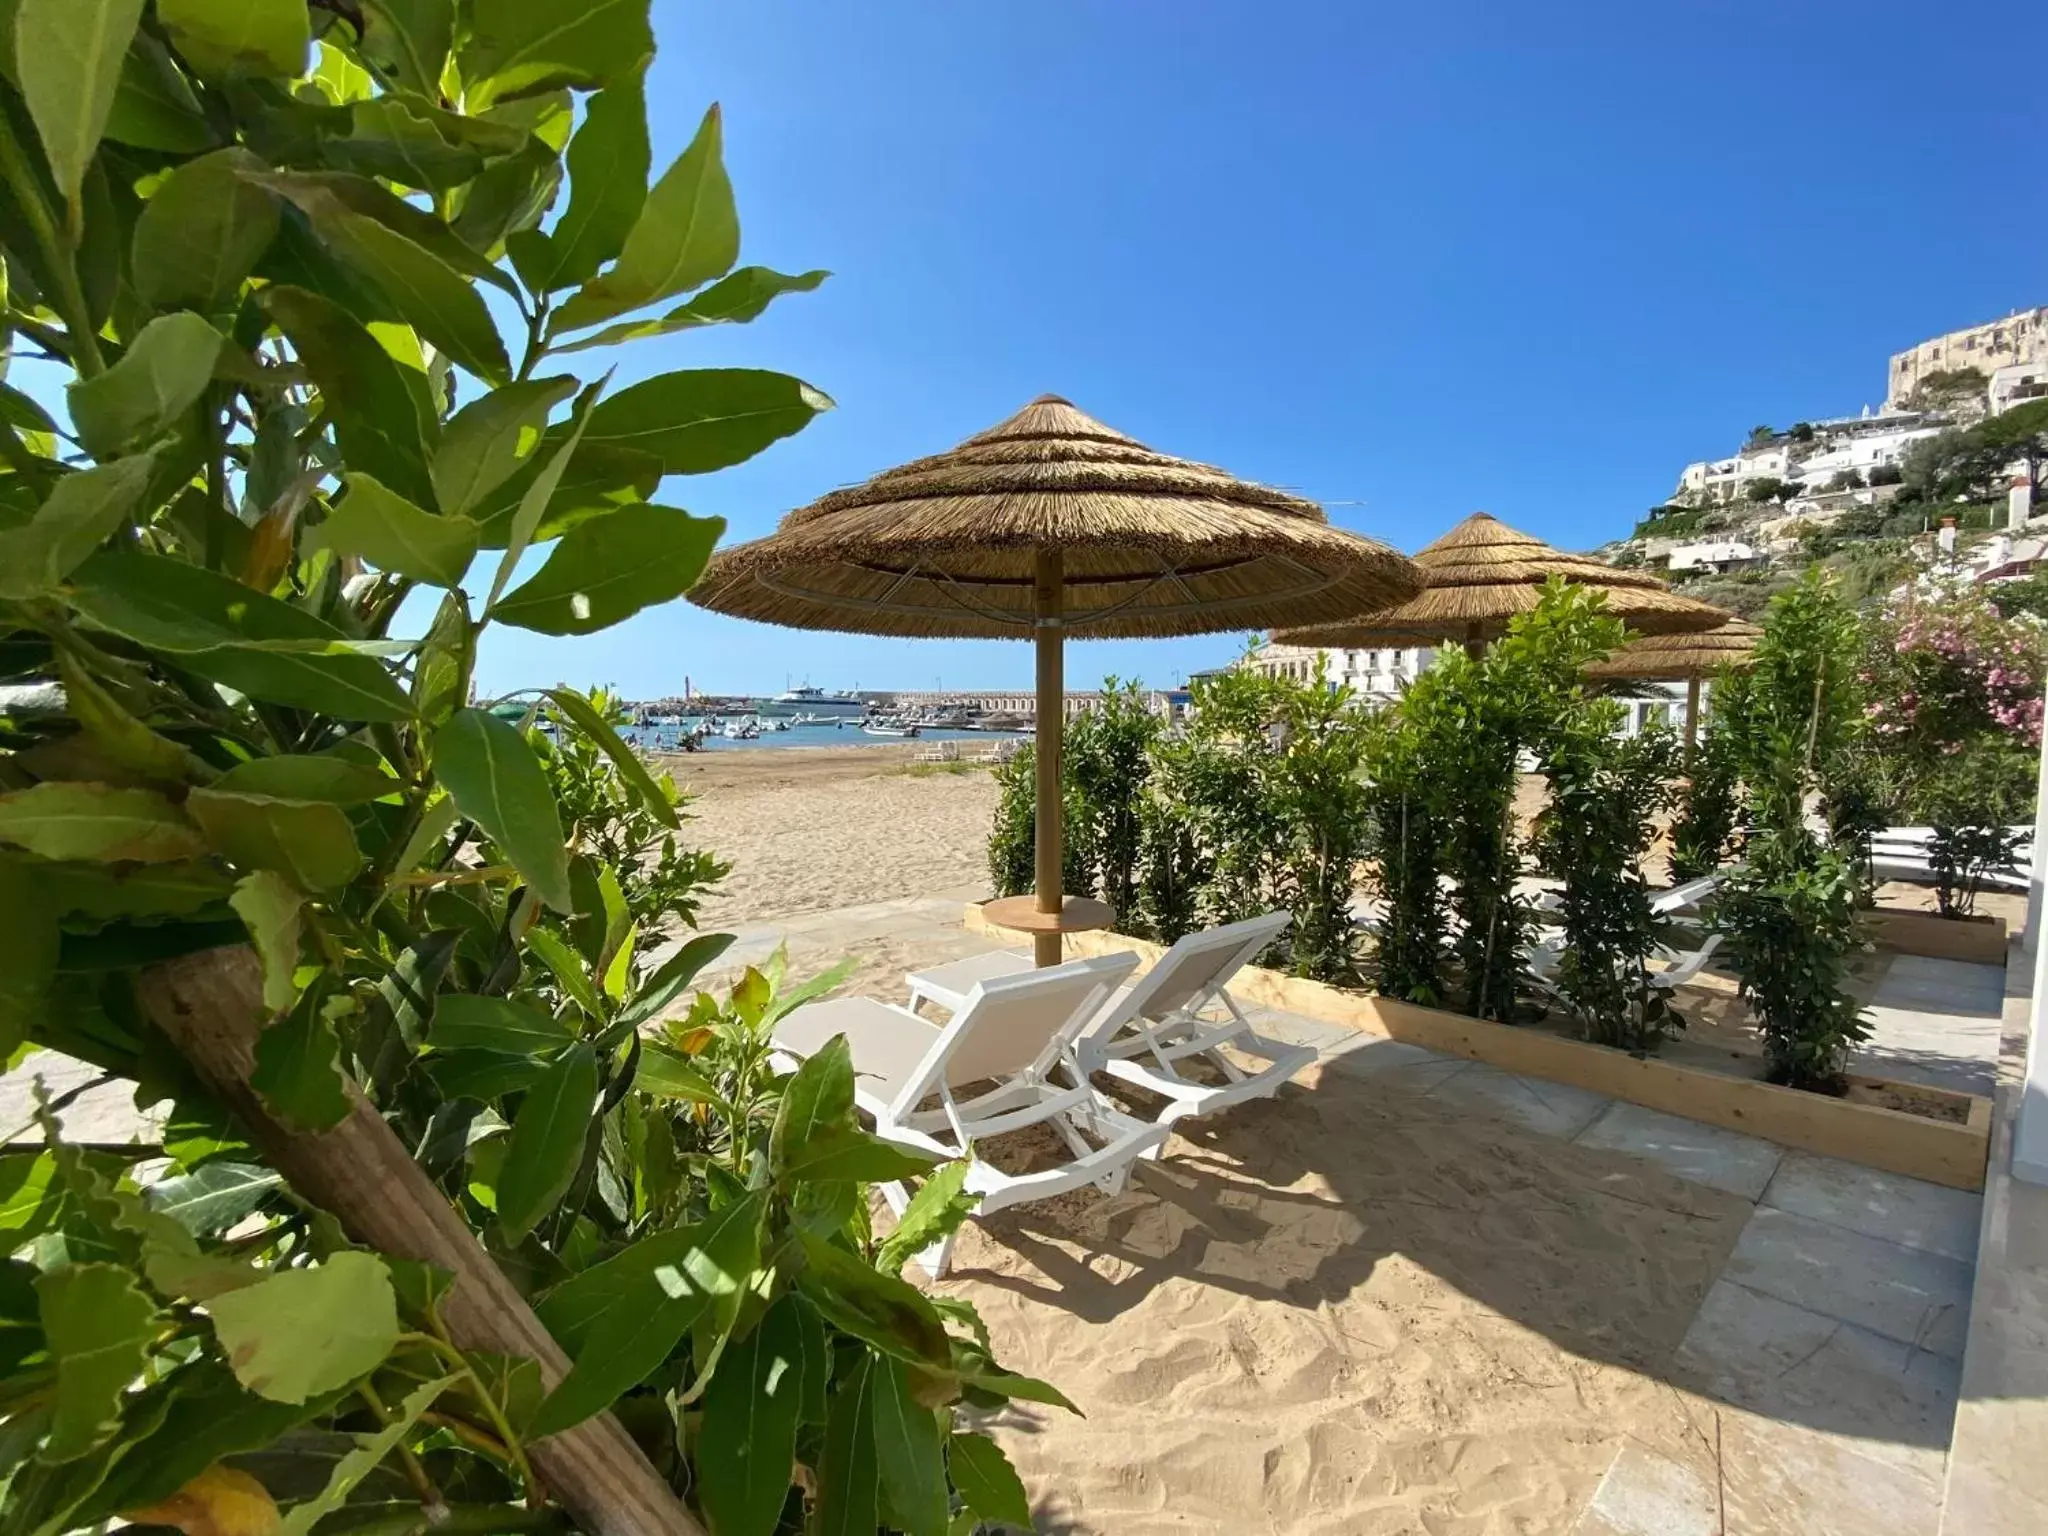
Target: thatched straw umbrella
[
  {"x": 1482, "y": 573},
  {"x": 1047, "y": 525},
  {"x": 1671, "y": 658}
]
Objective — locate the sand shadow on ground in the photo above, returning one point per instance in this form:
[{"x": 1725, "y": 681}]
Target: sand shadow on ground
[{"x": 1303, "y": 1198}]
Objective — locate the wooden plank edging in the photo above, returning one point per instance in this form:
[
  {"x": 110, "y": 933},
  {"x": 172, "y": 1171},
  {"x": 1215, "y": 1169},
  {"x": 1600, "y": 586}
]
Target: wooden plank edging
[
  {"x": 1939, "y": 1151},
  {"x": 1940, "y": 938}
]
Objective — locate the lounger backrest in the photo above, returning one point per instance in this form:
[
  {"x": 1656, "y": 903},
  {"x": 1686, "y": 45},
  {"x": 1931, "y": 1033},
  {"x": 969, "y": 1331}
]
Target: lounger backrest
[
  {"x": 1189, "y": 973},
  {"x": 1016, "y": 1023}
]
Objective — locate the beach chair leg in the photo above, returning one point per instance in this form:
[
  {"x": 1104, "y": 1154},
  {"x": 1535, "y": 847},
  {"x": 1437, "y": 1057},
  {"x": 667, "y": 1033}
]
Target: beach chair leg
[{"x": 938, "y": 1258}]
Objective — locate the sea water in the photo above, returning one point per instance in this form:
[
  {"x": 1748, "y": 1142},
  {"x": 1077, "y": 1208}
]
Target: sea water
[{"x": 663, "y": 738}]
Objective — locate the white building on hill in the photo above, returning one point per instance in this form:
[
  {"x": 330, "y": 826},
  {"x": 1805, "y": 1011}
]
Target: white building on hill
[{"x": 1378, "y": 674}]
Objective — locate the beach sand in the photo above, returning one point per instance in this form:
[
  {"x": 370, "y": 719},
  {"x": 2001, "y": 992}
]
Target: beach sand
[
  {"x": 1348, "y": 1310},
  {"x": 807, "y": 829}
]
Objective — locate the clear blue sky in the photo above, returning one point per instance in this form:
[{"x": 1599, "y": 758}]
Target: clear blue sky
[{"x": 1408, "y": 260}]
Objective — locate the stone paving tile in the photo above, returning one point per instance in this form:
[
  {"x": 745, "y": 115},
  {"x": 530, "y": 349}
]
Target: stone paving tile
[
  {"x": 1644, "y": 1494},
  {"x": 1786, "y": 1363},
  {"x": 1553, "y": 1109},
  {"x": 1412, "y": 1067},
  {"x": 1705, "y": 1154},
  {"x": 1909, "y": 1295},
  {"x": 1910, "y": 1212},
  {"x": 1782, "y": 1479}
]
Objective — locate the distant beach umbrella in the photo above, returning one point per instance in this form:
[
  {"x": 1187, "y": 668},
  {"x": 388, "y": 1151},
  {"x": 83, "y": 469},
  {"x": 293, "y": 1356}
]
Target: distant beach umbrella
[
  {"x": 1482, "y": 573},
  {"x": 1050, "y": 525},
  {"x": 1686, "y": 658}
]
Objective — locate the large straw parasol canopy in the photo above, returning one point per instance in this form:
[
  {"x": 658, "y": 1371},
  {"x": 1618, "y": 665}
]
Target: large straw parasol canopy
[
  {"x": 1046, "y": 525},
  {"x": 1482, "y": 573},
  {"x": 1150, "y": 545},
  {"x": 1678, "y": 658},
  {"x": 1683, "y": 658}
]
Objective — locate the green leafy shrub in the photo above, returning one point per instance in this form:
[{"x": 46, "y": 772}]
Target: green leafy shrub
[
  {"x": 1105, "y": 762},
  {"x": 609, "y": 820},
  {"x": 1797, "y": 727},
  {"x": 1407, "y": 842},
  {"x": 292, "y": 419},
  {"x": 1606, "y": 791},
  {"x": 1012, "y": 844},
  {"x": 1711, "y": 802},
  {"x": 1321, "y": 796}
]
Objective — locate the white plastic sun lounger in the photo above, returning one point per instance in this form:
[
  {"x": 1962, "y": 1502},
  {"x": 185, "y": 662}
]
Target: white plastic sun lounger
[
  {"x": 1151, "y": 1028},
  {"x": 1011, "y": 1041}
]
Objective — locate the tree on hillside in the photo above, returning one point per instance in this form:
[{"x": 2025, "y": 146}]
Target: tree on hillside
[{"x": 1971, "y": 462}]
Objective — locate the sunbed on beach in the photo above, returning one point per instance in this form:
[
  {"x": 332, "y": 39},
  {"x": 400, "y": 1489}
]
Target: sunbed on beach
[{"x": 1008, "y": 1049}]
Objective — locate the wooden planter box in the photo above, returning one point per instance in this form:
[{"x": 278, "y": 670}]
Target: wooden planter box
[
  {"x": 1951, "y": 1152},
  {"x": 1943, "y": 938}
]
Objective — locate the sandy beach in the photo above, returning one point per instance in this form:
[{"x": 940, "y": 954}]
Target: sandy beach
[{"x": 812, "y": 828}]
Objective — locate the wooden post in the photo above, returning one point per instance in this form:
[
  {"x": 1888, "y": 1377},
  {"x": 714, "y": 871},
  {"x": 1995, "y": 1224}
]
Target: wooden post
[
  {"x": 210, "y": 1005},
  {"x": 1692, "y": 715},
  {"x": 1475, "y": 641},
  {"x": 1049, "y": 603}
]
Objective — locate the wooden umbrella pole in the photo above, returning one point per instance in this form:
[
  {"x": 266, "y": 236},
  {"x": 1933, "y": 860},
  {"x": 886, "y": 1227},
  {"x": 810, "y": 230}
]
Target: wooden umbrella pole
[
  {"x": 1475, "y": 640},
  {"x": 1049, "y": 594},
  {"x": 1692, "y": 715}
]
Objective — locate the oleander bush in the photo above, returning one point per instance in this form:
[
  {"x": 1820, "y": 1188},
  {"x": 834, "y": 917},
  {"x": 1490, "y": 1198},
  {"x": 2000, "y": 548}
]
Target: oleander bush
[{"x": 276, "y": 250}]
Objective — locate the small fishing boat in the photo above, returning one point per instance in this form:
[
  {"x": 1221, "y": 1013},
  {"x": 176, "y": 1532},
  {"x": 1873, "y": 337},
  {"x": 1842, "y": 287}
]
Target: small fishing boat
[
  {"x": 889, "y": 728},
  {"x": 741, "y": 730}
]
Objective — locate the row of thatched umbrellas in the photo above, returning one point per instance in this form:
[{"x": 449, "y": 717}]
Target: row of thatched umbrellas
[{"x": 1051, "y": 525}]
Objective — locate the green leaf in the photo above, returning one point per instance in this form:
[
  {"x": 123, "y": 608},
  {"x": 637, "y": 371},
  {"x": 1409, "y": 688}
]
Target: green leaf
[
  {"x": 816, "y": 1102},
  {"x": 30, "y": 1197},
  {"x": 229, "y": 39},
  {"x": 426, "y": 292},
  {"x": 211, "y": 1418},
  {"x": 672, "y": 977},
  {"x": 81, "y": 512},
  {"x": 733, "y": 300},
  {"x": 482, "y": 1075},
  {"x": 98, "y": 1324},
  {"x": 510, "y": 197},
  {"x": 849, "y": 1474},
  {"x": 298, "y": 1067},
  {"x": 213, "y": 1197},
  {"x": 303, "y": 1332},
  {"x": 161, "y": 376},
  {"x": 378, "y": 418},
  {"x": 688, "y": 233},
  {"x": 704, "y": 419},
  {"x": 463, "y": 1022},
  {"x": 935, "y": 1213},
  {"x": 567, "y": 966},
  {"x": 597, "y": 481},
  {"x": 890, "y": 1314},
  {"x": 381, "y": 526},
  {"x": 547, "y": 1141},
  {"x": 600, "y": 734},
  {"x": 154, "y": 107},
  {"x": 533, "y": 504},
  {"x": 202, "y": 232},
  {"x": 311, "y": 841},
  {"x": 314, "y": 190},
  {"x": 1027, "y": 1389},
  {"x": 628, "y": 1313},
  {"x": 669, "y": 1074},
  {"x": 29, "y": 945},
  {"x": 124, "y": 741},
  {"x": 75, "y": 48},
  {"x": 518, "y": 47},
  {"x": 748, "y": 1443},
  {"x": 409, "y": 40},
  {"x": 484, "y": 443},
  {"x": 987, "y": 1481},
  {"x": 911, "y": 1454},
  {"x": 235, "y": 635},
  {"x": 104, "y": 893},
  {"x": 852, "y": 1153},
  {"x": 495, "y": 780},
  {"x": 308, "y": 776},
  {"x": 267, "y": 902},
  {"x": 371, "y": 1449},
  {"x": 608, "y": 164},
  {"x": 96, "y": 822},
  {"x": 604, "y": 571}
]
